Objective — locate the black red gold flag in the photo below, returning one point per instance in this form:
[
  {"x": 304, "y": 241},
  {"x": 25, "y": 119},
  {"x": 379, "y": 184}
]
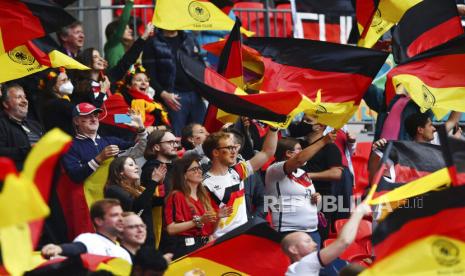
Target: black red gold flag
[
  {"x": 425, "y": 26},
  {"x": 23, "y": 20},
  {"x": 229, "y": 66},
  {"x": 430, "y": 231},
  {"x": 381, "y": 19},
  {"x": 229, "y": 97},
  {"x": 32, "y": 57},
  {"x": 334, "y": 76},
  {"x": 434, "y": 79},
  {"x": 232, "y": 253},
  {"x": 453, "y": 150}
]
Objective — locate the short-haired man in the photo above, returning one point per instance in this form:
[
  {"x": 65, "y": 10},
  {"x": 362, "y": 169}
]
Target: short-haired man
[
  {"x": 17, "y": 133},
  {"x": 89, "y": 150},
  {"x": 71, "y": 38},
  {"x": 225, "y": 178},
  {"x": 420, "y": 127},
  {"x": 303, "y": 251},
  {"x": 106, "y": 215},
  {"x": 134, "y": 233}
]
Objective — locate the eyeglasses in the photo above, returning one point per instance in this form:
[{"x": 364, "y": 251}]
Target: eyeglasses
[
  {"x": 195, "y": 169},
  {"x": 143, "y": 226},
  {"x": 171, "y": 142},
  {"x": 230, "y": 148}
]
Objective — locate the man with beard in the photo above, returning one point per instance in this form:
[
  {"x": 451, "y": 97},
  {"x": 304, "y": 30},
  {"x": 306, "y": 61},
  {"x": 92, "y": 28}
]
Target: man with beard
[
  {"x": 161, "y": 148},
  {"x": 106, "y": 215},
  {"x": 17, "y": 133}
]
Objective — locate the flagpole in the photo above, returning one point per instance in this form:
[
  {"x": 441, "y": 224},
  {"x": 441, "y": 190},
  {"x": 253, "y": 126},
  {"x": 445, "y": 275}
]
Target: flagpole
[{"x": 379, "y": 172}]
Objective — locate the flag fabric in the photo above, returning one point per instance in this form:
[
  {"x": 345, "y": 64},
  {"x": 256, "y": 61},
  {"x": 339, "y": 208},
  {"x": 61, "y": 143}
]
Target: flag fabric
[
  {"x": 431, "y": 232},
  {"x": 23, "y": 20},
  {"x": 409, "y": 161},
  {"x": 230, "y": 98},
  {"x": 434, "y": 79},
  {"x": 20, "y": 203},
  {"x": 32, "y": 57},
  {"x": 247, "y": 250},
  {"x": 76, "y": 198},
  {"x": 453, "y": 150},
  {"x": 385, "y": 15},
  {"x": 195, "y": 15},
  {"x": 447, "y": 169},
  {"x": 425, "y": 26},
  {"x": 39, "y": 168},
  {"x": 333, "y": 76},
  {"x": 230, "y": 66}
]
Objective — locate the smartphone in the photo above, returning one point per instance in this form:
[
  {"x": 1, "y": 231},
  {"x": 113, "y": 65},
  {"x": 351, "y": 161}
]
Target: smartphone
[{"x": 122, "y": 118}]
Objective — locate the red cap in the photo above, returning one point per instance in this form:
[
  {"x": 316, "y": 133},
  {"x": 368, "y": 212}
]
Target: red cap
[{"x": 85, "y": 109}]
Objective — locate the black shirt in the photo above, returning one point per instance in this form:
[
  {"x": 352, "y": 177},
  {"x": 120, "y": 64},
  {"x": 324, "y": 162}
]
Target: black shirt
[{"x": 182, "y": 82}]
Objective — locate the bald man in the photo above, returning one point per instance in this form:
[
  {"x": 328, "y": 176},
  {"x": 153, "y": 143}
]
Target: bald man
[{"x": 302, "y": 250}]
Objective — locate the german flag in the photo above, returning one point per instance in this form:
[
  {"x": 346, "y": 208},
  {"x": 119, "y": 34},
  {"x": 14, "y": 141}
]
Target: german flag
[
  {"x": 195, "y": 15},
  {"x": 430, "y": 231},
  {"x": 23, "y": 20},
  {"x": 434, "y": 79},
  {"x": 445, "y": 170},
  {"x": 230, "y": 67},
  {"x": 230, "y": 98},
  {"x": 20, "y": 203},
  {"x": 409, "y": 161},
  {"x": 453, "y": 150},
  {"x": 39, "y": 168},
  {"x": 333, "y": 76},
  {"x": 374, "y": 22},
  {"x": 32, "y": 57},
  {"x": 247, "y": 250},
  {"x": 425, "y": 26},
  {"x": 76, "y": 198}
]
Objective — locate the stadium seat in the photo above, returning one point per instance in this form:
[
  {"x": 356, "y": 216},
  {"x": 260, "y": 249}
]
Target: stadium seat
[
  {"x": 249, "y": 17},
  {"x": 356, "y": 252},
  {"x": 364, "y": 229},
  {"x": 284, "y": 21},
  {"x": 359, "y": 162}
]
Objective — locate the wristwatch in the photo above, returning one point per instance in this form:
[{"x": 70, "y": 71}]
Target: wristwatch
[{"x": 198, "y": 221}]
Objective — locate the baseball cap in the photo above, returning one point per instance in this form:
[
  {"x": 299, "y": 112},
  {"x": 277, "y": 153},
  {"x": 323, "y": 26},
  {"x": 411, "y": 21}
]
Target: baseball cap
[{"x": 85, "y": 109}]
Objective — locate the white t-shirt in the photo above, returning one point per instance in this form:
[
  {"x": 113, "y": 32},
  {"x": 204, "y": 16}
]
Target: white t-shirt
[
  {"x": 229, "y": 190},
  {"x": 293, "y": 210},
  {"x": 101, "y": 245},
  {"x": 307, "y": 266}
]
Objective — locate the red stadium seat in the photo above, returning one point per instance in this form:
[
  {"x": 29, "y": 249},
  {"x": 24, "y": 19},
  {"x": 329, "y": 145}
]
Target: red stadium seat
[
  {"x": 359, "y": 162},
  {"x": 284, "y": 21},
  {"x": 356, "y": 252},
  {"x": 364, "y": 229},
  {"x": 249, "y": 18}
]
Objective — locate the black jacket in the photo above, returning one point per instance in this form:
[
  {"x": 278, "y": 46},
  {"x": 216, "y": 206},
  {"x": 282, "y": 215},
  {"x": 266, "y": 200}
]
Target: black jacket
[
  {"x": 14, "y": 142},
  {"x": 160, "y": 62}
]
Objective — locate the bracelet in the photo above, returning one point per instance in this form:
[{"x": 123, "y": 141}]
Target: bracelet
[{"x": 198, "y": 221}]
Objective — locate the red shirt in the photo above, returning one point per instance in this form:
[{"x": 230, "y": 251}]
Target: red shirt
[{"x": 178, "y": 210}]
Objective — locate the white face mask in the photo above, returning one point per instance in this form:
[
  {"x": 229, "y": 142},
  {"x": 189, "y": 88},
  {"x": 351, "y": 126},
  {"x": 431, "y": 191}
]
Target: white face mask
[{"x": 66, "y": 88}]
